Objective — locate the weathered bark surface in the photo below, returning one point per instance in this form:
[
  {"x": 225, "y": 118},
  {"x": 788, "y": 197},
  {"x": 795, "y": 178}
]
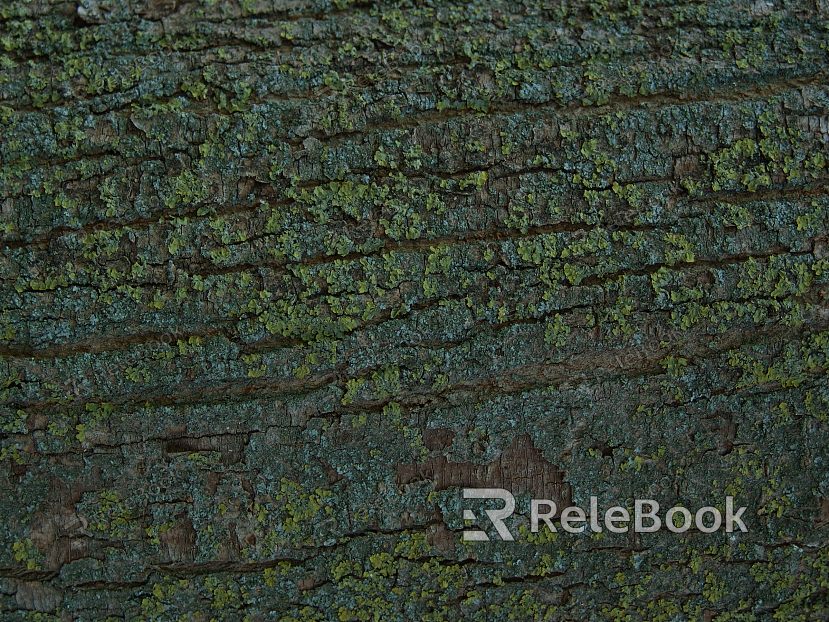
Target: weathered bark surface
[{"x": 278, "y": 278}]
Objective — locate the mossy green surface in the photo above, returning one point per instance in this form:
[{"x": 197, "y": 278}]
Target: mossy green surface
[{"x": 259, "y": 260}]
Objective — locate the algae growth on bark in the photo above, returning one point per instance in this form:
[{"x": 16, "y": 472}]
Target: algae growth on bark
[{"x": 279, "y": 279}]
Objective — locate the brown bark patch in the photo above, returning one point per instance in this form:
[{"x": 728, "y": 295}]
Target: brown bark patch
[
  {"x": 37, "y": 596},
  {"x": 180, "y": 541},
  {"x": 440, "y": 537},
  {"x": 437, "y": 439},
  {"x": 231, "y": 446},
  {"x": 520, "y": 468}
]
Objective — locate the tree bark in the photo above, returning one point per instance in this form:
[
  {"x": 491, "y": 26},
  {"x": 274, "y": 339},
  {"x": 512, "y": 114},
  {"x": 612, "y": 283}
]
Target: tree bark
[{"x": 280, "y": 279}]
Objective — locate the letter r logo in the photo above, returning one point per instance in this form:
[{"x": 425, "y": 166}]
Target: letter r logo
[{"x": 496, "y": 516}]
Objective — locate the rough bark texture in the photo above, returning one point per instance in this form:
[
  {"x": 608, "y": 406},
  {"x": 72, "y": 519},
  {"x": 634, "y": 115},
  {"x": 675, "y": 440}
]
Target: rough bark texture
[{"x": 278, "y": 278}]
